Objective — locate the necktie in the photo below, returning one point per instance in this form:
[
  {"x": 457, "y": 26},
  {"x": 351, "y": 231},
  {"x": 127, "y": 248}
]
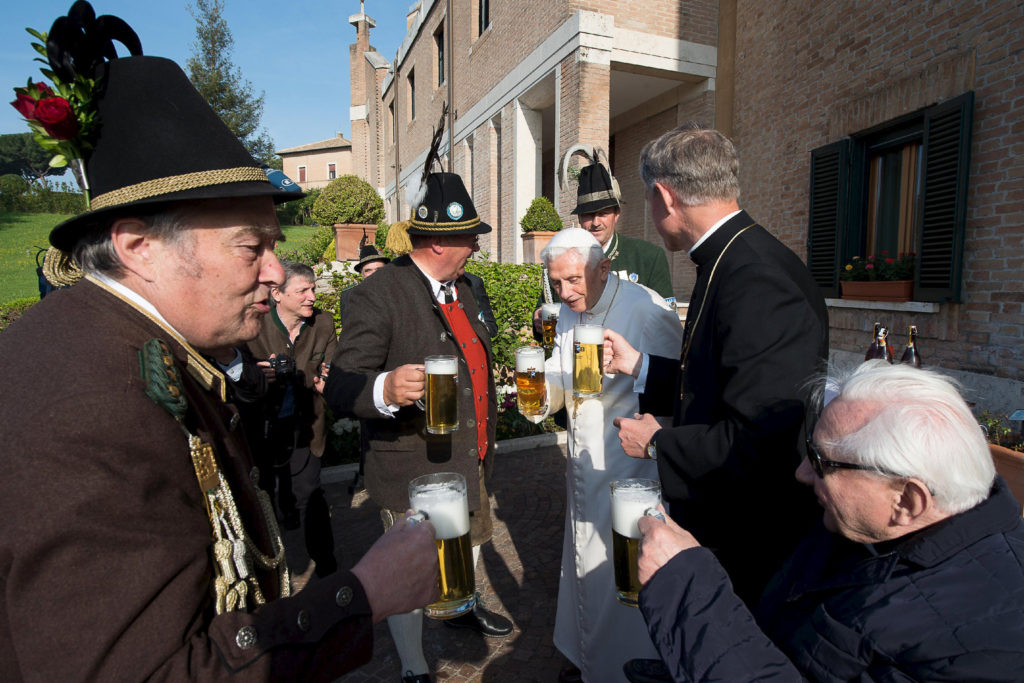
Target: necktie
[{"x": 449, "y": 297}]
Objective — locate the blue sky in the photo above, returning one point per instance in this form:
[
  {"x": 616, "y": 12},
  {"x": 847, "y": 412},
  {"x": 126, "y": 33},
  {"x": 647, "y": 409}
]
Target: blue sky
[{"x": 296, "y": 52}]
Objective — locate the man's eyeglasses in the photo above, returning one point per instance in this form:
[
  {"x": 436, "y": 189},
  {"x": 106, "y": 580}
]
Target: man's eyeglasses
[{"x": 818, "y": 463}]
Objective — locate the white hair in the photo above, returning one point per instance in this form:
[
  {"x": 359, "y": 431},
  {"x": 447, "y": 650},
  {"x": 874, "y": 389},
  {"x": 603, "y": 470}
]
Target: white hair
[
  {"x": 574, "y": 239},
  {"x": 919, "y": 427}
]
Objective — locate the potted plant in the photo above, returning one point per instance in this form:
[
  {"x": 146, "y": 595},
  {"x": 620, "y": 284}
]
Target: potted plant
[
  {"x": 539, "y": 225},
  {"x": 1005, "y": 446},
  {"x": 885, "y": 278},
  {"x": 354, "y": 208}
]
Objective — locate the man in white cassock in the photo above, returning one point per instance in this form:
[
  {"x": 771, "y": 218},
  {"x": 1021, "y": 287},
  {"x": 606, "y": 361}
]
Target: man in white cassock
[{"x": 592, "y": 629}]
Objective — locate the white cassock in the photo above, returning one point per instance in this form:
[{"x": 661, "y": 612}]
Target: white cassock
[{"x": 595, "y": 631}]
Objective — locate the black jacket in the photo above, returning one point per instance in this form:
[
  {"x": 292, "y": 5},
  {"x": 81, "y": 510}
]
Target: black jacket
[
  {"x": 727, "y": 463},
  {"x": 945, "y": 604}
]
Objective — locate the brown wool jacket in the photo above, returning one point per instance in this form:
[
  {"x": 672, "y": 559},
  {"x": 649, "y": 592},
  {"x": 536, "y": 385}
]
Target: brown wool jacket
[
  {"x": 105, "y": 569},
  {"x": 393, "y": 319},
  {"x": 315, "y": 344}
]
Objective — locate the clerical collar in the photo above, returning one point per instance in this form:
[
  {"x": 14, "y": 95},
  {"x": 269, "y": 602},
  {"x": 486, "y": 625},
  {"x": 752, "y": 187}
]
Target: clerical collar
[{"x": 719, "y": 223}]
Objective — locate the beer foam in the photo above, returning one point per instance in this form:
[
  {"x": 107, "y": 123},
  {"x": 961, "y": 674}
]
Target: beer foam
[
  {"x": 550, "y": 310},
  {"x": 447, "y": 509},
  {"x": 628, "y": 506},
  {"x": 589, "y": 334},
  {"x": 441, "y": 365},
  {"x": 533, "y": 358}
]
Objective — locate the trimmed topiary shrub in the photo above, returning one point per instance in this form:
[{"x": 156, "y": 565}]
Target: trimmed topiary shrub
[
  {"x": 541, "y": 216},
  {"x": 348, "y": 199}
]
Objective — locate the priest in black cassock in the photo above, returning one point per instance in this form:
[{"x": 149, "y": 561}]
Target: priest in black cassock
[{"x": 756, "y": 331}]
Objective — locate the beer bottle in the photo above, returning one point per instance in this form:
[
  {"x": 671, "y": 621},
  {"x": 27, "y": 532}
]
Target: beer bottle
[
  {"x": 872, "y": 351},
  {"x": 910, "y": 354},
  {"x": 880, "y": 348}
]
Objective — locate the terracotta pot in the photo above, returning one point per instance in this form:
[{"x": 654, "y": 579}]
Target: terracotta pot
[
  {"x": 347, "y": 236},
  {"x": 1010, "y": 466},
  {"x": 534, "y": 243},
  {"x": 891, "y": 290}
]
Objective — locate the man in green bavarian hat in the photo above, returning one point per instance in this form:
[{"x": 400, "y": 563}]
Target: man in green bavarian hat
[{"x": 136, "y": 542}]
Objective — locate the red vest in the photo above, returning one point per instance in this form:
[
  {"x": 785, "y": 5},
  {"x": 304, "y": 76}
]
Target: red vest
[{"x": 476, "y": 358}]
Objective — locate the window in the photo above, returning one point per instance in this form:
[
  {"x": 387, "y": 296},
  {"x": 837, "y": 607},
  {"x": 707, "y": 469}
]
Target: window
[
  {"x": 411, "y": 89},
  {"x": 485, "y": 15},
  {"x": 302, "y": 174},
  {"x": 898, "y": 187},
  {"x": 439, "y": 51},
  {"x": 332, "y": 172},
  {"x": 393, "y": 122}
]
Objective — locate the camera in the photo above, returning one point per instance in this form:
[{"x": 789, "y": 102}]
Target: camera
[{"x": 284, "y": 367}]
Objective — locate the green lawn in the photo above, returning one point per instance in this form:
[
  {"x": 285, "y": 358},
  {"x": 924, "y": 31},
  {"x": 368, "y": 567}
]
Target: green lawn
[{"x": 21, "y": 233}]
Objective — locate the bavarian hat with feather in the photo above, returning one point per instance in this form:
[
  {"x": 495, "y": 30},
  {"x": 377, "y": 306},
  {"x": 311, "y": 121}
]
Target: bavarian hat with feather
[
  {"x": 597, "y": 188},
  {"x": 368, "y": 254},
  {"x": 155, "y": 139},
  {"x": 439, "y": 201}
]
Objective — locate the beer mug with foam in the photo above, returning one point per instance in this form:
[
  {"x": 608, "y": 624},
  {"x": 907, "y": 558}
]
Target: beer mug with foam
[
  {"x": 531, "y": 395},
  {"x": 548, "y": 322},
  {"x": 442, "y": 394},
  {"x": 588, "y": 361},
  {"x": 631, "y": 500},
  {"x": 441, "y": 498}
]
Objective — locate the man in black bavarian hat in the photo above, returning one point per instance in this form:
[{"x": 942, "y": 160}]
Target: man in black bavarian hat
[
  {"x": 136, "y": 543},
  {"x": 370, "y": 261},
  {"x": 421, "y": 305}
]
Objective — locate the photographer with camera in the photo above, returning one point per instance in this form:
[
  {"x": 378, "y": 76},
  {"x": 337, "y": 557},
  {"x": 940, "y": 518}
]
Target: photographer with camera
[{"x": 295, "y": 340}]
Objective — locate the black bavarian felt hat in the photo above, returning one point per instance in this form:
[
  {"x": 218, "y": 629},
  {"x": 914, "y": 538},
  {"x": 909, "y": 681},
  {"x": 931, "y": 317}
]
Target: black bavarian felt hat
[
  {"x": 156, "y": 139},
  {"x": 445, "y": 208},
  {"x": 597, "y": 190},
  {"x": 368, "y": 254}
]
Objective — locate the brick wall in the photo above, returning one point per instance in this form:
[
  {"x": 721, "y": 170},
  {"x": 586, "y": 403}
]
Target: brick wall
[{"x": 811, "y": 72}]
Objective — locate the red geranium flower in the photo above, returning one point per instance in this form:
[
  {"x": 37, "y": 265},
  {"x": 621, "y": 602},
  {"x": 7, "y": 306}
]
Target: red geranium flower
[
  {"x": 890, "y": 260},
  {"x": 56, "y": 117}
]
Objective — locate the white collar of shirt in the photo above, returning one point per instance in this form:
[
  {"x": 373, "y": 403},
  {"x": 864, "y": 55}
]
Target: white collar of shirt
[
  {"x": 139, "y": 301},
  {"x": 436, "y": 286},
  {"x": 721, "y": 221}
]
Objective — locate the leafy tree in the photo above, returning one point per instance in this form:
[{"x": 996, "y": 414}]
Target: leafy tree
[
  {"x": 220, "y": 82},
  {"x": 21, "y": 155}
]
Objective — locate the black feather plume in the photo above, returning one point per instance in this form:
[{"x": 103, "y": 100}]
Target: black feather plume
[
  {"x": 416, "y": 193},
  {"x": 81, "y": 41}
]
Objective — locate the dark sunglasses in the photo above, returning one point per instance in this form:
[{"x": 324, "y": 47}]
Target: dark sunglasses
[{"x": 818, "y": 463}]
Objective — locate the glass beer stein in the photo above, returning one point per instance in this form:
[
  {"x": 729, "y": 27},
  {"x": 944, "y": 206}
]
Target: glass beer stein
[
  {"x": 631, "y": 500},
  {"x": 531, "y": 394},
  {"x": 442, "y": 394},
  {"x": 588, "y": 361},
  {"x": 441, "y": 498},
  {"x": 548, "y": 322}
]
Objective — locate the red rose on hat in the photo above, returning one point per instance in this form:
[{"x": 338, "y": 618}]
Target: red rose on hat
[
  {"x": 55, "y": 115},
  {"x": 26, "y": 106}
]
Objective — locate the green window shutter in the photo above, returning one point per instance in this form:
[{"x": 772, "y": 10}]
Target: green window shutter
[
  {"x": 829, "y": 181},
  {"x": 943, "y": 209}
]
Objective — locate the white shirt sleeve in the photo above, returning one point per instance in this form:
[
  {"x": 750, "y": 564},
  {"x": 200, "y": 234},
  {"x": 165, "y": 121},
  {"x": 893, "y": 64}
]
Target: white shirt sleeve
[
  {"x": 378, "y": 397},
  {"x": 640, "y": 383}
]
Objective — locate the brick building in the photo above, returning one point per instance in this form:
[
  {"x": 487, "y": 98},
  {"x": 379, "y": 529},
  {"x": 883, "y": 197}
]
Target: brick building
[
  {"x": 903, "y": 117},
  {"x": 317, "y": 163}
]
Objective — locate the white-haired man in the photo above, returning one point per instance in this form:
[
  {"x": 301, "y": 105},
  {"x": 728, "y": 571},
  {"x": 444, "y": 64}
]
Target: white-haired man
[
  {"x": 917, "y": 572},
  {"x": 592, "y": 628}
]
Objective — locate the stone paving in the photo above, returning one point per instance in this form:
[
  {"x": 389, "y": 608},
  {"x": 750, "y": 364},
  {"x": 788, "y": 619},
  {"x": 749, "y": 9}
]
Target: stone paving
[{"x": 517, "y": 574}]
